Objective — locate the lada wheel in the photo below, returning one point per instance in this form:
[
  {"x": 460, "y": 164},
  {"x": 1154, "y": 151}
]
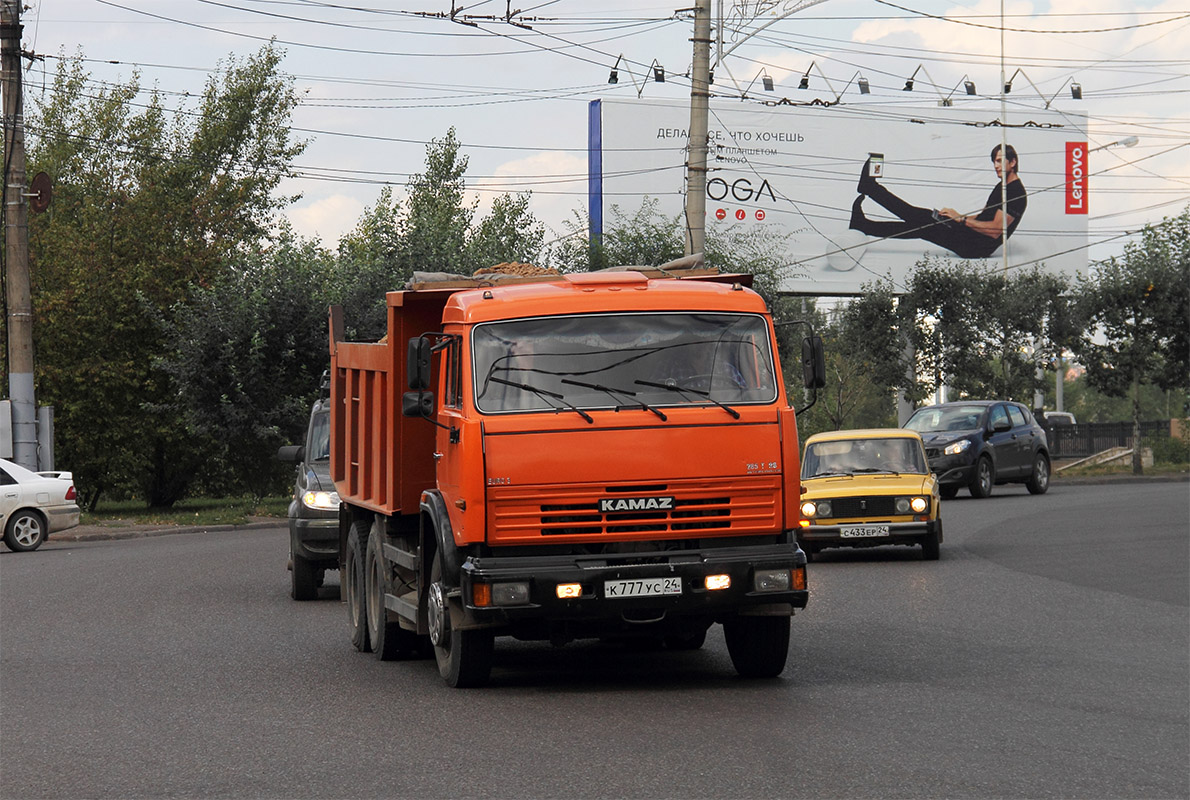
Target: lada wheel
[
  {"x": 930, "y": 548},
  {"x": 758, "y": 646},
  {"x": 1039, "y": 481},
  {"x": 464, "y": 657},
  {"x": 984, "y": 477},
  {"x": 353, "y": 583},
  {"x": 25, "y": 531}
]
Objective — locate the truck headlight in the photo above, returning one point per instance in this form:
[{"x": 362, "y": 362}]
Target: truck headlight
[
  {"x": 323, "y": 501},
  {"x": 954, "y": 448}
]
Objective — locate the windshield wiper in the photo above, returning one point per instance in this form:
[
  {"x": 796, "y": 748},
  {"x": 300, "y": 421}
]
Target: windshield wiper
[
  {"x": 545, "y": 393},
  {"x": 829, "y": 473},
  {"x": 686, "y": 390},
  {"x": 613, "y": 392}
]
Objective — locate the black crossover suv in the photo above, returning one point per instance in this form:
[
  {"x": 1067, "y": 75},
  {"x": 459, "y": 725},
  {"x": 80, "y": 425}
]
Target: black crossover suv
[{"x": 979, "y": 443}]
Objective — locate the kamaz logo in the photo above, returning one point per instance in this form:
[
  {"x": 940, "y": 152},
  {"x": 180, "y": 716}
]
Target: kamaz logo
[{"x": 636, "y": 504}]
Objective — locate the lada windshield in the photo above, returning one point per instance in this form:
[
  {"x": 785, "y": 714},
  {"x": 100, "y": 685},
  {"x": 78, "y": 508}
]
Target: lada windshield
[
  {"x": 623, "y": 361},
  {"x": 857, "y": 456}
]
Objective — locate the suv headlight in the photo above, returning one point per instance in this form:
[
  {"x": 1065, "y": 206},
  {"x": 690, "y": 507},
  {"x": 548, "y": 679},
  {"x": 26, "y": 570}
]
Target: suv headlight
[
  {"x": 323, "y": 501},
  {"x": 954, "y": 448}
]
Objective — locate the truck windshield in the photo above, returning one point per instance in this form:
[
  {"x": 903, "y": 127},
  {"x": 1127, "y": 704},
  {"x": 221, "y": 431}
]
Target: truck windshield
[{"x": 610, "y": 360}]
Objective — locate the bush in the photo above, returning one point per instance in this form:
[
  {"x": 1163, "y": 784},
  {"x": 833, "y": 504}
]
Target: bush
[{"x": 1170, "y": 449}]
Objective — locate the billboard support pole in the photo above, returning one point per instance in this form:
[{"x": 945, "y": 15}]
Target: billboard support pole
[
  {"x": 1003, "y": 152},
  {"x": 696, "y": 150}
]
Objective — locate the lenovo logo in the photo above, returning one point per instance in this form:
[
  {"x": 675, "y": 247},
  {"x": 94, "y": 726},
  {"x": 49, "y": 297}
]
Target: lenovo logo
[
  {"x": 636, "y": 504},
  {"x": 1076, "y": 177}
]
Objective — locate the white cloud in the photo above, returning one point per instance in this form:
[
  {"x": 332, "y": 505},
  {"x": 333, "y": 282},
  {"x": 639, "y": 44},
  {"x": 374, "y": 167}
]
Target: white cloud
[{"x": 328, "y": 218}]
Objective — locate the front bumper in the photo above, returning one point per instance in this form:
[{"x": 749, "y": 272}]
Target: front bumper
[
  {"x": 593, "y": 613},
  {"x": 955, "y": 470},
  {"x": 898, "y": 533},
  {"x": 315, "y": 538}
]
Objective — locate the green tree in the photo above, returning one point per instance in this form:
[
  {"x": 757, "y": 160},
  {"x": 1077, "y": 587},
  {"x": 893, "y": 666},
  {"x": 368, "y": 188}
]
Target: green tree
[
  {"x": 437, "y": 223},
  {"x": 147, "y": 204},
  {"x": 246, "y": 355},
  {"x": 1136, "y": 312},
  {"x": 509, "y": 233}
]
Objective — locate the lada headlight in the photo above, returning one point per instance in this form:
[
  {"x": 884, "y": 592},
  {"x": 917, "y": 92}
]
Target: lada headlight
[
  {"x": 954, "y": 448},
  {"x": 323, "y": 501},
  {"x": 816, "y": 508},
  {"x": 914, "y": 505}
]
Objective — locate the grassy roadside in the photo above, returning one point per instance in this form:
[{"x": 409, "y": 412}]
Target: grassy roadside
[
  {"x": 193, "y": 511},
  {"x": 1116, "y": 469}
]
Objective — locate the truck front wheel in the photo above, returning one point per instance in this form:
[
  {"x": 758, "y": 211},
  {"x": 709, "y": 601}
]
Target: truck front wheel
[
  {"x": 464, "y": 657},
  {"x": 758, "y": 646},
  {"x": 353, "y": 583}
]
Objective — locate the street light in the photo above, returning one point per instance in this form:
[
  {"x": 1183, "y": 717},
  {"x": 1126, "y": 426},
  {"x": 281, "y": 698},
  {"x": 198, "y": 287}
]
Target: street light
[{"x": 1127, "y": 141}]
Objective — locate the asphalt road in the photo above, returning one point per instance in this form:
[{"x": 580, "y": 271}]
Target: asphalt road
[{"x": 1047, "y": 654}]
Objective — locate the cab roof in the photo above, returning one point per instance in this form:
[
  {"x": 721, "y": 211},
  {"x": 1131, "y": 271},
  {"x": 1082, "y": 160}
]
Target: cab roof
[{"x": 599, "y": 292}]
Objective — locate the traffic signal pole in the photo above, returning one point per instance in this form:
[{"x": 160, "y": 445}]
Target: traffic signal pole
[{"x": 16, "y": 234}]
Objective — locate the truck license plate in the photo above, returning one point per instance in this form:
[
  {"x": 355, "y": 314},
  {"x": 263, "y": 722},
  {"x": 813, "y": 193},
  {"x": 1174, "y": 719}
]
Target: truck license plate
[
  {"x": 643, "y": 587},
  {"x": 862, "y": 531}
]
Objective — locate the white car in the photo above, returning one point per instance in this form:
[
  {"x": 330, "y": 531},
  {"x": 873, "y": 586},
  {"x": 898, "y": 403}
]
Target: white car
[{"x": 34, "y": 504}]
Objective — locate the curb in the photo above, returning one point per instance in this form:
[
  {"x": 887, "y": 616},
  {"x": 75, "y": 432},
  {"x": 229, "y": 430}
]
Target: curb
[
  {"x": 1099, "y": 480},
  {"x": 99, "y": 533}
]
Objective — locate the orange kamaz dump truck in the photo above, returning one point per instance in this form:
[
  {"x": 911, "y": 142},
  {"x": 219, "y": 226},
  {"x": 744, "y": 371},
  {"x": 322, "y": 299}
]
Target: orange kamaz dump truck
[{"x": 595, "y": 455}]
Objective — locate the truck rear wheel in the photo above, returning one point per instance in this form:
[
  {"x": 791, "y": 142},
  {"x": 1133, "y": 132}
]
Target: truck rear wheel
[
  {"x": 353, "y": 583},
  {"x": 389, "y": 640},
  {"x": 464, "y": 657},
  {"x": 758, "y": 646}
]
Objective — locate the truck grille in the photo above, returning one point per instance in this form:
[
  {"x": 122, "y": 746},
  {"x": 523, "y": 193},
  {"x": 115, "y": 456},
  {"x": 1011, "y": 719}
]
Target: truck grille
[{"x": 657, "y": 511}]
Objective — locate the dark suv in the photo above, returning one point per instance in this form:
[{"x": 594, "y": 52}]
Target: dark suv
[
  {"x": 979, "y": 443},
  {"x": 314, "y": 509}
]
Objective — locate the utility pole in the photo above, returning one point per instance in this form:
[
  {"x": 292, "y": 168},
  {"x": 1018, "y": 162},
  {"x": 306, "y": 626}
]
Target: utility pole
[
  {"x": 16, "y": 232},
  {"x": 696, "y": 151}
]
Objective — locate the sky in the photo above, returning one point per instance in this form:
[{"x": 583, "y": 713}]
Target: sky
[{"x": 379, "y": 80}]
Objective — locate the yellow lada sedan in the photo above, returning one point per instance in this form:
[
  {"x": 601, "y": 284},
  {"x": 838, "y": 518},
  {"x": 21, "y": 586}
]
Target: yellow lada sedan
[{"x": 868, "y": 488}]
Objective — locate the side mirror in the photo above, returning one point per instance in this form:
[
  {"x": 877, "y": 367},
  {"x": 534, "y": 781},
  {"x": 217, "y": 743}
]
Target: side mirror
[
  {"x": 292, "y": 453},
  {"x": 417, "y": 404},
  {"x": 417, "y": 364},
  {"x": 1002, "y": 425},
  {"x": 813, "y": 363}
]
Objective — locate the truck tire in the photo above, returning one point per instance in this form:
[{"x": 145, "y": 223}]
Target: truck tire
[
  {"x": 464, "y": 657},
  {"x": 353, "y": 583},
  {"x": 389, "y": 640},
  {"x": 25, "y": 531},
  {"x": 758, "y": 646},
  {"x": 303, "y": 578},
  {"x": 983, "y": 479}
]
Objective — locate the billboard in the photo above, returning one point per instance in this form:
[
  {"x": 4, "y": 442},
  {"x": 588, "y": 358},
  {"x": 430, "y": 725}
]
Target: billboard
[{"x": 859, "y": 193}]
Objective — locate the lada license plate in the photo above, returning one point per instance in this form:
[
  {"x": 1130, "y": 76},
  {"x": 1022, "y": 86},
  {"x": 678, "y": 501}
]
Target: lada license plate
[
  {"x": 862, "y": 531},
  {"x": 642, "y": 587}
]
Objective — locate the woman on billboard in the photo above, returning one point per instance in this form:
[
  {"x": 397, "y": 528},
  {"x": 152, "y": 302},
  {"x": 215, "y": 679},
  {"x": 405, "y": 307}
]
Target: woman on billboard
[{"x": 967, "y": 236}]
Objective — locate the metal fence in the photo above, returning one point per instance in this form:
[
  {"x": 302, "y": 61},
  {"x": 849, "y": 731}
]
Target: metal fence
[{"x": 1088, "y": 438}]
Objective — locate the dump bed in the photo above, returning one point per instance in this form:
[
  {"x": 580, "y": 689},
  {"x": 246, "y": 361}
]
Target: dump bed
[{"x": 380, "y": 459}]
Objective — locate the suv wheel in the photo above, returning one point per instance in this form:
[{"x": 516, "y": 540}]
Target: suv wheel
[
  {"x": 1039, "y": 481},
  {"x": 984, "y": 477}
]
